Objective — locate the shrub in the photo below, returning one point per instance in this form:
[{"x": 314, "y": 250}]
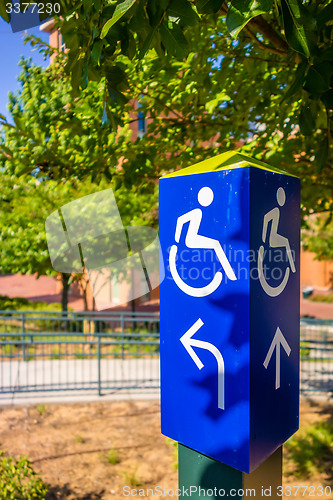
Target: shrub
[
  {"x": 322, "y": 298},
  {"x": 18, "y": 480},
  {"x": 22, "y": 304},
  {"x": 113, "y": 456},
  {"x": 311, "y": 449}
]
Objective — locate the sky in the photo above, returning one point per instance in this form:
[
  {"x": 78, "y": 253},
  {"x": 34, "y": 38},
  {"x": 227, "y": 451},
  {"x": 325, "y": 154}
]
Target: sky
[{"x": 12, "y": 47}]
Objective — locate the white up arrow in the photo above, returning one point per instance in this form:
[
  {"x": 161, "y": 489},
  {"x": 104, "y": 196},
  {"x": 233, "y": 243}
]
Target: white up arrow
[
  {"x": 189, "y": 343},
  {"x": 278, "y": 340}
]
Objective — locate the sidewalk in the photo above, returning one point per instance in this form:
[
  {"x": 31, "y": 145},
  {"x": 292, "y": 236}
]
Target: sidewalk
[{"x": 318, "y": 310}]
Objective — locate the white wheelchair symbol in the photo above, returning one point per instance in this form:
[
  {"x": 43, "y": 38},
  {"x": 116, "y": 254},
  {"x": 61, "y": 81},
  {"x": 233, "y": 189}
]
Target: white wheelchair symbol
[
  {"x": 275, "y": 241},
  {"x": 195, "y": 240}
]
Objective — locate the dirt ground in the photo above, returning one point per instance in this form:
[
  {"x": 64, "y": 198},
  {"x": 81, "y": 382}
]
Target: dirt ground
[{"x": 69, "y": 446}]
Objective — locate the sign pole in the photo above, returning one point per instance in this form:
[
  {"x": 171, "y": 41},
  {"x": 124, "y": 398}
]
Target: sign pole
[{"x": 203, "y": 477}]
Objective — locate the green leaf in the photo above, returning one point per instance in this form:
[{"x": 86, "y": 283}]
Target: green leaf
[
  {"x": 241, "y": 12},
  {"x": 306, "y": 121},
  {"x": 115, "y": 76},
  {"x": 321, "y": 156},
  {"x": 96, "y": 51},
  {"x": 325, "y": 15},
  {"x": 184, "y": 10},
  {"x": 174, "y": 40},
  {"x": 209, "y": 6},
  {"x": 220, "y": 98},
  {"x": 326, "y": 55},
  {"x": 2, "y": 117},
  {"x": 76, "y": 76},
  {"x": 155, "y": 10},
  {"x": 298, "y": 80},
  {"x": 299, "y": 26},
  {"x": 327, "y": 99},
  {"x": 18, "y": 122},
  {"x": 116, "y": 95},
  {"x": 120, "y": 10},
  {"x": 147, "y": 42},
  {"x": 318, "y": 78},
  {"x": 3, "y": 11}
]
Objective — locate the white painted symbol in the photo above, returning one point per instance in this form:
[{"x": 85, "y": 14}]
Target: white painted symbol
[
  {"x": 188, "y": 342},
  {"x": 277, "y": 341},
  {"x": 195, "y": 240},
  {"x": 275, "y": 241}
]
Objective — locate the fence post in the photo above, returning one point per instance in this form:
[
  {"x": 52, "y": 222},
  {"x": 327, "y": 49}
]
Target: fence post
[
  {"x": 99, "y": 364},
  {"x": 122, "y": 336},
  {"x": 23, "y": 337}
]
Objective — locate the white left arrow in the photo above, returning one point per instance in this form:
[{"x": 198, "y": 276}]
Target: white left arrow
[
  {"x": 277, "y": 341},
  {"x": 188, "y": 342}
]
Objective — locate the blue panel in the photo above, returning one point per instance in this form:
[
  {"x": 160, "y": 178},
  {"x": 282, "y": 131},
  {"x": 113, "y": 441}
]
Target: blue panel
[
  {"x": 274, "y": 410},
  {"x": 189, "y": 395}
]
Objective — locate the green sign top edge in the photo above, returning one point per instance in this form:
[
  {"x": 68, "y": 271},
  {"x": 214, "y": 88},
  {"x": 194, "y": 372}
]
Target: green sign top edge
[{"x": 225, "y": 161}]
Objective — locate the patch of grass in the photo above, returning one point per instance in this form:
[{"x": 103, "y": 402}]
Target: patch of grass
[
  {"x": 79, "y": 439},
  {"x": 18, "y": 480},
  {"x": 305, "y": 350},
  {"x": 322, "y": 298},
  {"x": 311, "y": 450},
  {"x": 23, "y": 304},
  {"x": 131, "y": 478},
  {"x": 173, "y": 443},
  {"x": 113, "y": 456},
  {"x": 41, "y": 409}
]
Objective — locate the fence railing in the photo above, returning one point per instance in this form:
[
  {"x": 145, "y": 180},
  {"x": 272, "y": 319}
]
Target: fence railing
[
  {"x": 50, "y": 351},
  {"x": 316, "y": 356},
  {"x": 78, "y": 351}
]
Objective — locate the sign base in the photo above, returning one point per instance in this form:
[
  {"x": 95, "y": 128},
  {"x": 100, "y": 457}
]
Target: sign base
[{"x": 201, "y": 476}]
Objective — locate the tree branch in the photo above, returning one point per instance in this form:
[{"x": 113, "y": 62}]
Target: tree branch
[
  {"x": 269, "y": 33},
  {"x": 262, "y": 45},
  {"x": 260, "y": 25}
]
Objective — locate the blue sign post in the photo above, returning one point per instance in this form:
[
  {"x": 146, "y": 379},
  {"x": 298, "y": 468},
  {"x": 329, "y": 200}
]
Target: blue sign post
[{"x": 229, "y": 233}]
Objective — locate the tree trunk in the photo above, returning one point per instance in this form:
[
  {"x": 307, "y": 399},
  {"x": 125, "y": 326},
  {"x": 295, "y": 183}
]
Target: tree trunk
[
  {"x": 85, "y": 299},
  {"x": 65, "y": 289}
]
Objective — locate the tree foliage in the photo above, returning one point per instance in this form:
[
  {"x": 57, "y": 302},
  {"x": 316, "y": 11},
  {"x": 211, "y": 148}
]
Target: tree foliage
[
  {"x": 61, "y": 138},
  {"x": 57, "y": 150},
  {"x": 105, "y": 38},
  {"x": 25, "y": 204},
  {"x": 318, "y": 236},
  {"x": 226, "y": 93}
]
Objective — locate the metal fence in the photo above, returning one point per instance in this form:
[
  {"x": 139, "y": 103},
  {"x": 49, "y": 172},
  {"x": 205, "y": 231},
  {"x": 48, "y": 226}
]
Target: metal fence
[
  {"x": 316, "y": 356},
  {"x": 78, "y": 351},
  {"x": 115, "y": 351}
]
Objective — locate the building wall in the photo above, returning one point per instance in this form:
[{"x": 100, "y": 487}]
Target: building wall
[{"x": 314, "y": 272}]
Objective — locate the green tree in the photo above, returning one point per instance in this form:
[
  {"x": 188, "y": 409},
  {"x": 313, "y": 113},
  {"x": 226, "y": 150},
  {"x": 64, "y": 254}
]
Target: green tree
[
  {"x": 104, "y": 38},
  {"x": 318, "y": 236},
  {"x": 225, "y": 94},
  {"x": 25, "y": 204},
  {"x": 55, "y": 142}
]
